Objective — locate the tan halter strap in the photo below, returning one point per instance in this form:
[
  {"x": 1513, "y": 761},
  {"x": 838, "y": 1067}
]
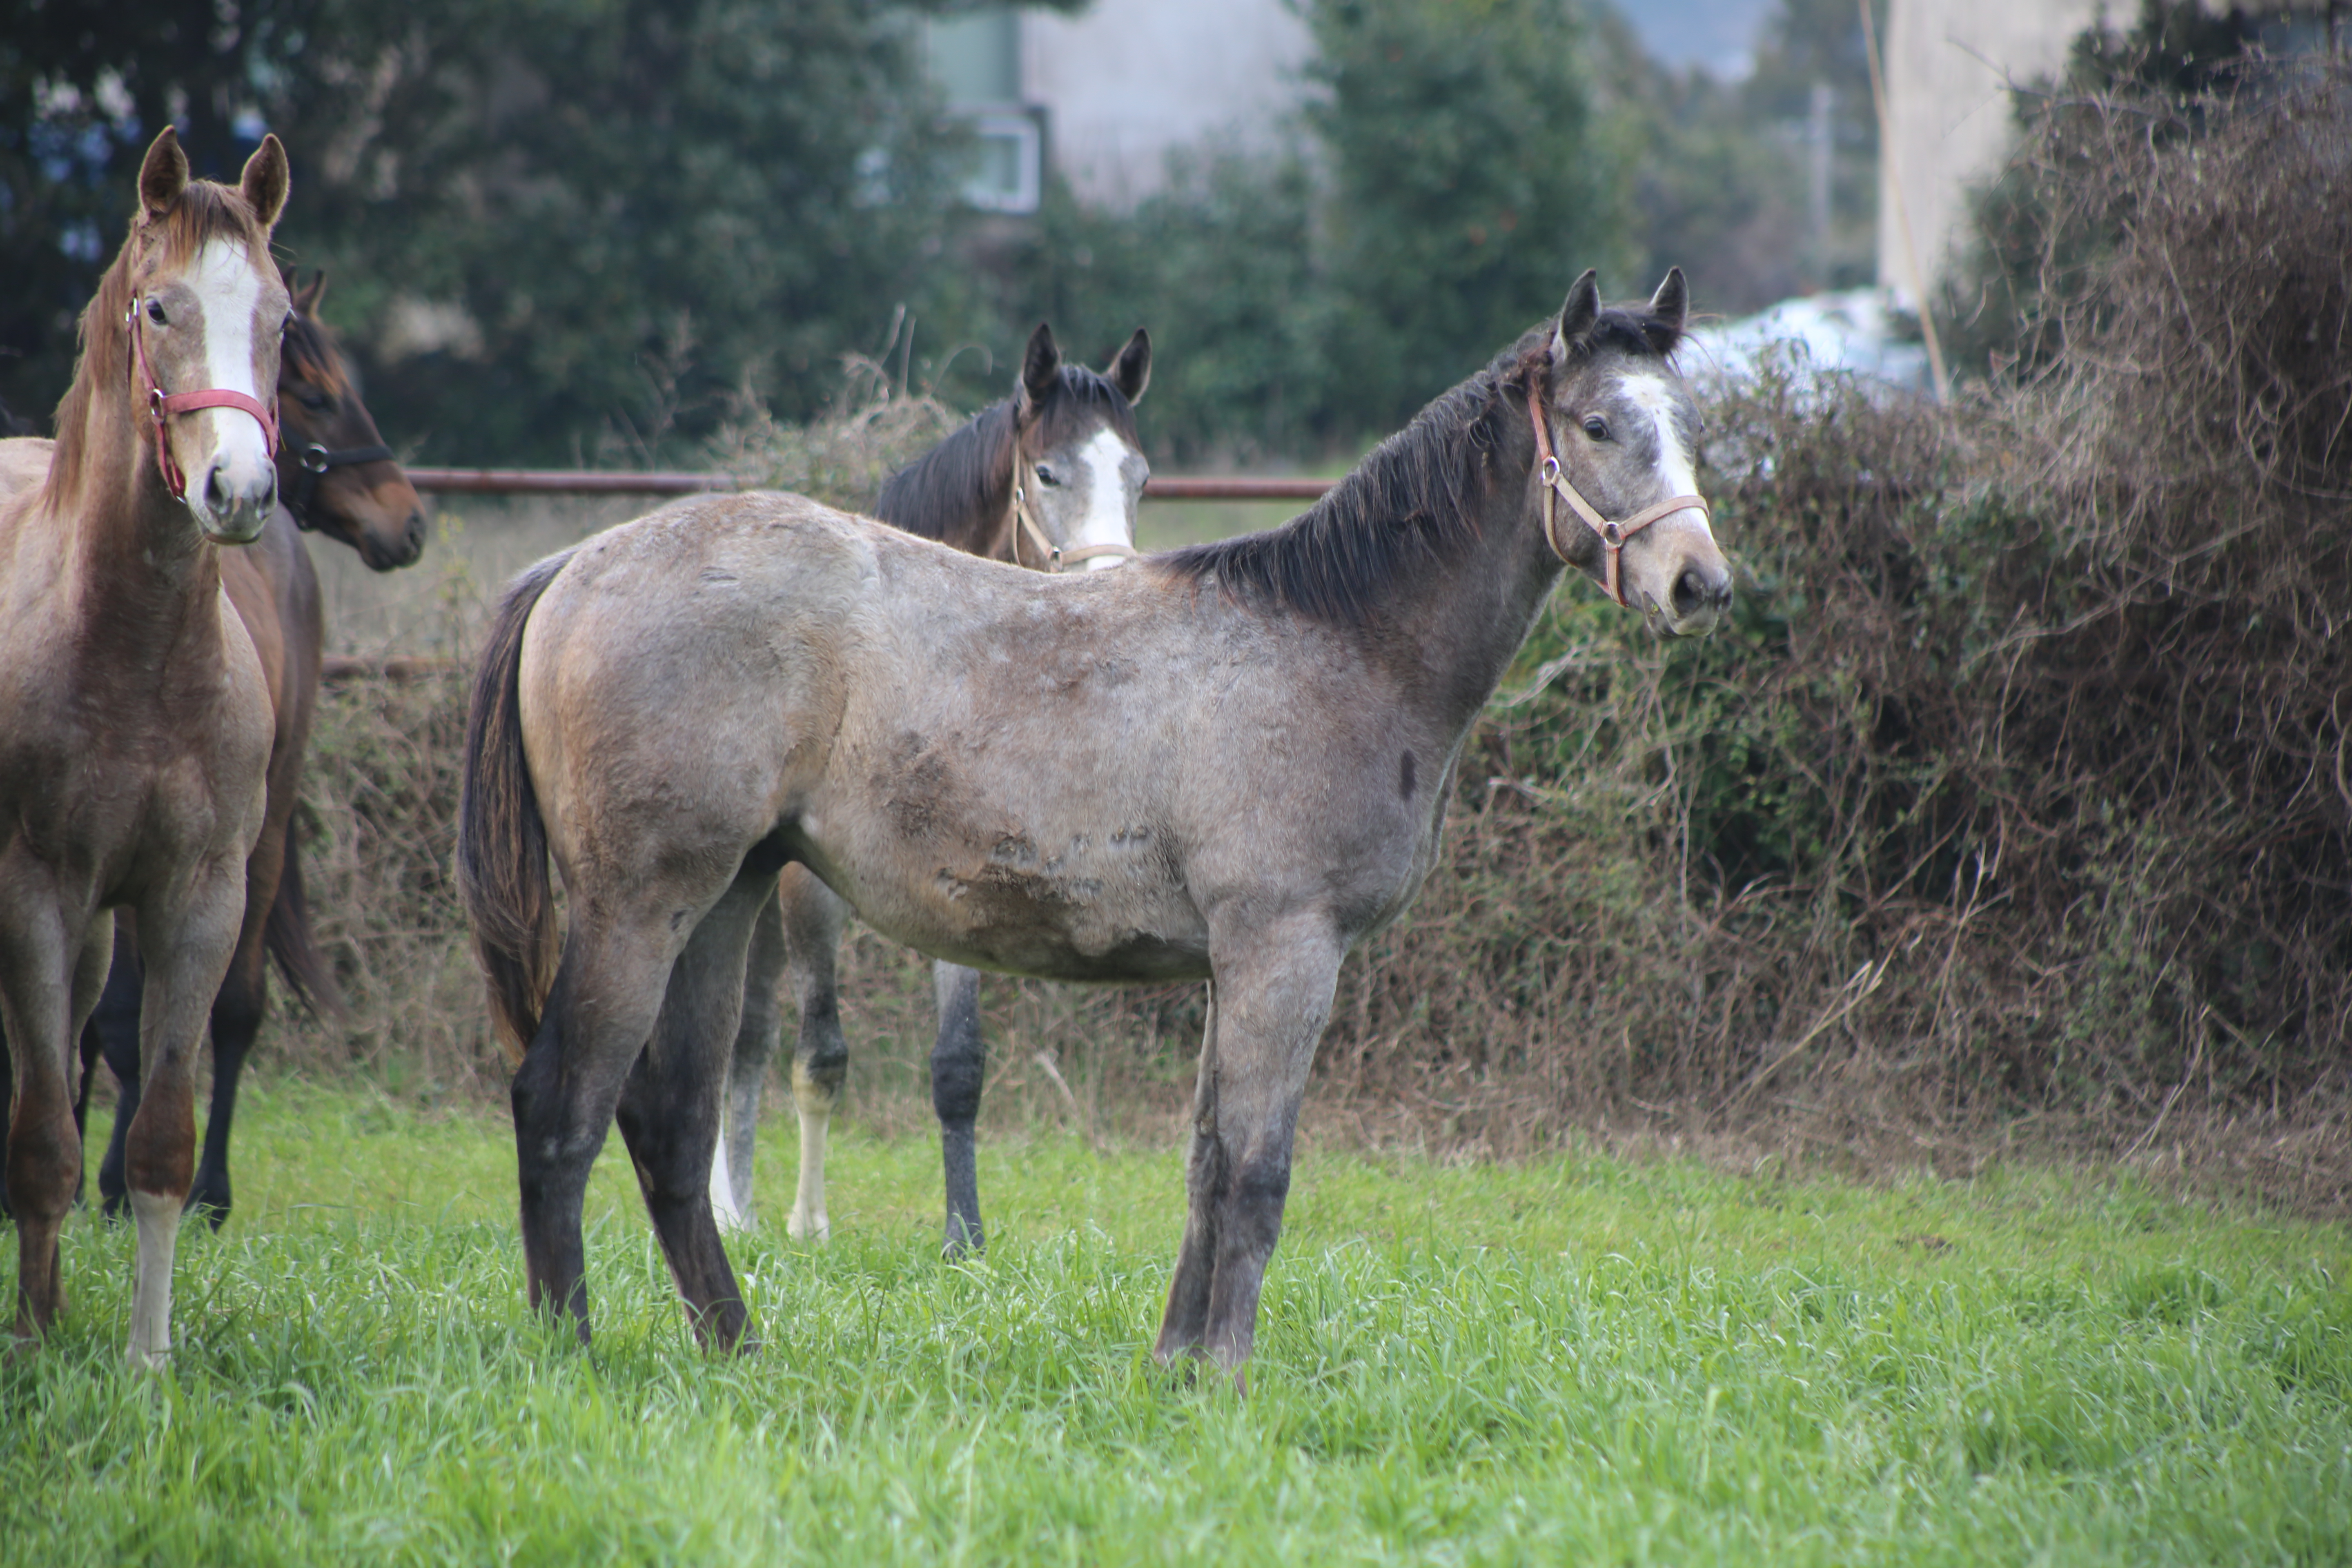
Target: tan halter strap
[
  {"x": 1614, "y": 535},
  {"x": 161, "y": 405}
]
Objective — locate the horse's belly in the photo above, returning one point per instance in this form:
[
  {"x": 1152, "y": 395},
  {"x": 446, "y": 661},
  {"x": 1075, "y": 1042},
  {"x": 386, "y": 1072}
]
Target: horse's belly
[{"x": 1094, "y": 907}]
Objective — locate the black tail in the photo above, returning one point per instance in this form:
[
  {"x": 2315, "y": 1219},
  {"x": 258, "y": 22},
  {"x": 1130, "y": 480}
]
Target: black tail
[
  {"x": 290, "y": 943},
  {"x": 501, "y": 837}
]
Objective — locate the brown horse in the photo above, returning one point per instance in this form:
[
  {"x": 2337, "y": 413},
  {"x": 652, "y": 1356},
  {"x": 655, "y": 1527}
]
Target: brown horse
[
  {"x": 1048, "y": 477},
  {"x": 134, "y": 718},
  {"x": 336, "y": 477},
  {"x": 355, "y": 494},
  {"x": 1230, "y": 763}
]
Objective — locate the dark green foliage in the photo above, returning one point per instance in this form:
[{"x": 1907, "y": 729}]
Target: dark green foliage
[
  {"x": 84, "y": 85},
  {"x": 558, "y": 221},
  {"x": 1457, "y": 191},
  {"x": 1220, "y": 265}
]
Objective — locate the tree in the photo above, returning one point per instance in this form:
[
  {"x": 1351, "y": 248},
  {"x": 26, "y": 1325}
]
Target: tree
[
  {"x": 1465, "y": 188},
  {"x": 552, "y": 222}
]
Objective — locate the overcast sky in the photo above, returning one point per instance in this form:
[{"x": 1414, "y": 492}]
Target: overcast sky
[{"x": 1718, "y": 34}]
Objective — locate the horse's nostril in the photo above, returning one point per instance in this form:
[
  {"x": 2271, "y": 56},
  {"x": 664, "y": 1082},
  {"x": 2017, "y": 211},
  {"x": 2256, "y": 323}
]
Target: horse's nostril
[{"x": 216, "y": 491}]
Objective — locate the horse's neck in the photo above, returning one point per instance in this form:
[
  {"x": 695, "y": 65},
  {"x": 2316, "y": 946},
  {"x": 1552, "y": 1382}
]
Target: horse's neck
[
  {"x": 138, "y": 572},
  {"x": 1463, "y": 622}
]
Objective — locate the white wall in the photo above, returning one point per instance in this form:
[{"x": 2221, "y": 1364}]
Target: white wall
[
  {"x": 1947, "y": 66},
  {"x": 1125, "y": 80}
]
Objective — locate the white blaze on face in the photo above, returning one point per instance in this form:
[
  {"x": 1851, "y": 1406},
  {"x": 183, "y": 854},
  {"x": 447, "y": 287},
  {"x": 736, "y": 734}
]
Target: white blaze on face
[
  {"x": 1107, "y": 519},
  {"x": 228, "y": 290},
  {"x": 1677, "y": 475}
]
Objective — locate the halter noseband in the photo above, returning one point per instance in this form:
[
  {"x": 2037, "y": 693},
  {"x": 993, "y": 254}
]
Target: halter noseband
[
  {"x": 161, "y": 405},
  {"x": 312, "y": 465},
  {"x": 1025, "y": 522},
  {"x": 1614, "y": 535}
]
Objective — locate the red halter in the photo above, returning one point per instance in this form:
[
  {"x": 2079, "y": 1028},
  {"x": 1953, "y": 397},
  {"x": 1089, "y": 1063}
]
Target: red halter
[
  {"x": 1614, "y": 535},
  {"x": 161, "y": 405}
]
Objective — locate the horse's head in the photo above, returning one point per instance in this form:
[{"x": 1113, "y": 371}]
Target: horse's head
[
  {"x": 1624, "y": 431},
  {"x": 204, "y": 312},
  {"x": 334, "y": 472},
  {"x": 1080, "y": 466}
]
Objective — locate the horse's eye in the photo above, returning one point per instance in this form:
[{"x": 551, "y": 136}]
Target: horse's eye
[
  {"x": 1046, "y": 475},
  {"x": 156, "y": 314},
  {"x": 312, "y": 398},
  {"x": 1596, "y": 426}
]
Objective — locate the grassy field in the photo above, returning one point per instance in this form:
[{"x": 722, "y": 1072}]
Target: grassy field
[{"x": 1572, "y": 1360}]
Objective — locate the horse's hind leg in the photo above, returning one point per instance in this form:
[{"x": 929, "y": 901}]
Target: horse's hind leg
[
  {"x": 958, "y": 1062},
  {"x": 813, "y": 921},
  {"x": 669, "y": 1108},
  {"x": 235, "y": 1020},
  {"x": 746, "y": 1072},
  {"x": 599, "y": 1015}
]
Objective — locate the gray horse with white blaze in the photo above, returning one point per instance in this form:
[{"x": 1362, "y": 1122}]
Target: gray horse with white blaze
[
  {"x": 1048, "y": 477},
  {"x": 1229, "y": 763}
]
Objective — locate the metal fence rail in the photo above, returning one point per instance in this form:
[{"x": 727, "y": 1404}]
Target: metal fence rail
[{"x": 595, "y": 482}]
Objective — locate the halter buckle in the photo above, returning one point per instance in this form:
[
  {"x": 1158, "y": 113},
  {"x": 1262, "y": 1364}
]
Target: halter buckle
[
  {"x": 314, "y": 459},
  {"x": 1550, "y": 468}
]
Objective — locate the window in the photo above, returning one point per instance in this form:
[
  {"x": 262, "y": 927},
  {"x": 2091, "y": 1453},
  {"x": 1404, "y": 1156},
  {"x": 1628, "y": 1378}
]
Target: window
[{"x": 976, "y": 61}]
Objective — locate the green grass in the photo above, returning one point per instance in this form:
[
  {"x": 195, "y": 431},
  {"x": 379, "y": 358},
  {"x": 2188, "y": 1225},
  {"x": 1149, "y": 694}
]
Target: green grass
[{"x": 1574, "y": 1359}]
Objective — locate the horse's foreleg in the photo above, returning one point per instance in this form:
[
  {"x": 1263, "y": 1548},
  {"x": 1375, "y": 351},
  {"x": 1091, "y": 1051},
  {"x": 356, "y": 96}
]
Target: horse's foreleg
[
  {"x": 186, "y": 949},
  {"x": 958, "y": 1062},
  {"x": 113, "y": 1033},
  {"x": 38, "y": 1017},
  {"x": 1273, "y": 993},
  {"x": 813, "y": 917},
  {"x": 747, "y": 1071},
  {"x": 669, "y": 1109},
  {"x": 1186, "y": 1320},
  {"x": 598, "y": 1018}
]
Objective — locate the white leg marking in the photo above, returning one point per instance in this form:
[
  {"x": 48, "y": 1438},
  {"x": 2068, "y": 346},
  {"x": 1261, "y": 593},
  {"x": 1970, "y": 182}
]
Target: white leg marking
[
  {"x": 151, "y": 1290},
  {"x": 731, "y": 1220},
  {"x": 808, "y": 1222},
  {"x": 1109, "y": 519}
]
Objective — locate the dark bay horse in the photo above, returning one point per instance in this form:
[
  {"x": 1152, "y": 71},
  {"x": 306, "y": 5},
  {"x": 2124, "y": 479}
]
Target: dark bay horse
[
  {"x": 135, "y": 720},
  {"x": 336, "y": 477},
  {"x": 1048, "y": 477},
  {"x": 1228, "y": 762}
]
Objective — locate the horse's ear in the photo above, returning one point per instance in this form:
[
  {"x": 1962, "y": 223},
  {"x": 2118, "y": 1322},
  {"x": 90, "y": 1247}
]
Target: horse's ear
[
  {"x": 164, "y": 175},
  {"x": 1577, "y": 316},
  {"x": 1670, "y": 306},
  {"x": 1040, "y": 365},
  {"x": 265, "y": 181},
  {"x": 305, "y": 300},
  {"x": 1130, "y": 368}
]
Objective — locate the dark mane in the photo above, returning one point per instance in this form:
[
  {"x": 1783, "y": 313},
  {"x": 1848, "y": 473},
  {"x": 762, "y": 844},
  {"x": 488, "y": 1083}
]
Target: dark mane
[
  {"x": 309, "y": 353},
  {"x": 971, "y": 471},
  {"x": 204, "y": 212},
  {"x": 1412, "y": 503}
]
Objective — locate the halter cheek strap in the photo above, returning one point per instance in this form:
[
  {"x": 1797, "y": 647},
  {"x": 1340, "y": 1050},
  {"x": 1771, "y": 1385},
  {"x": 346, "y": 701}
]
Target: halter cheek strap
[
  {"x": 1614, "y": 535},
  {"x": 1053, "y": 555},
  {"x": 163, "y": 406}
]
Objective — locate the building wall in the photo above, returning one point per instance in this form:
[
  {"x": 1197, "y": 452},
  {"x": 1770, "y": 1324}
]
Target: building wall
[
  {"x": 1948, "y": 64},
  {"x": 1124, "y": 81}
]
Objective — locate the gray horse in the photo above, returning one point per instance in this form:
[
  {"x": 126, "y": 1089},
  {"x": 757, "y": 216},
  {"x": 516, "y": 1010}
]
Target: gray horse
[
  {"x": 1229, "y": 763},
  {"x": 1048, "y": 477}
]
